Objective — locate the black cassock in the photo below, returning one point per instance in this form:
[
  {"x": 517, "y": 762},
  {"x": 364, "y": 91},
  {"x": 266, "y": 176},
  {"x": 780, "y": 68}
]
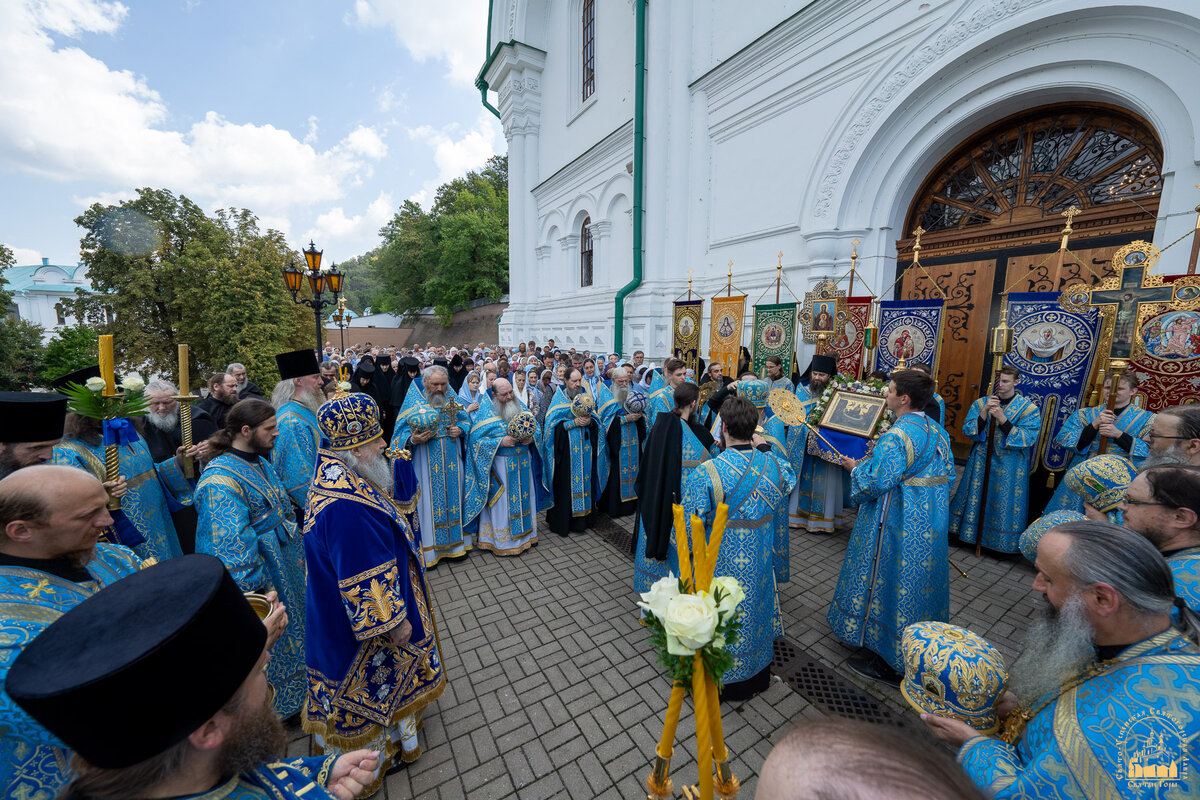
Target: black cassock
[
  {"x": 559, "y": 516},
  {"x": 162, "y": 445},
  {"x": 610, "y": 501}
]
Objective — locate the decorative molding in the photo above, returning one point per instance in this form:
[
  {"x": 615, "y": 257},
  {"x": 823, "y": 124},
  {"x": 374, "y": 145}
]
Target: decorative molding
[
  {"x": 601, "y": 229},
  {"x": 606, "y": 156}
]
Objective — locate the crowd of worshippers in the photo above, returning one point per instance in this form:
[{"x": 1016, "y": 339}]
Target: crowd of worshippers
[{"x": 322, "y": 508}]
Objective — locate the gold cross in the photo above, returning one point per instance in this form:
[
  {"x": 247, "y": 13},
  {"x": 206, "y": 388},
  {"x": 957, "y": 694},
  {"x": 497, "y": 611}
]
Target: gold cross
[
  {"x": 38, "y": 589},
  {"x": 854, "y": 247},
  {"x": 919, "y": 232},
  {"x": 781, "y": 259},
  {"x": 1070, "y": 214}
]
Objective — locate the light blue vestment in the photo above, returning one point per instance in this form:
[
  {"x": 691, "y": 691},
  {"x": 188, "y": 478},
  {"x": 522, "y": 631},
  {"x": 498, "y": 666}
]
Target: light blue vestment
[
  {"x": 305, "y": 778},
  {"x": 1133, "y": 420},
  {"x": 145, "y": 503},
  {"x": 33, "y": 762},
  {"x": 1185, "y": 567},
  {"x": 295, "y": 451},
  {"x": 500, "y": 485},
  {"x": 244, "y": 518},
  {"x": 1008, "y": 487},
  {"x": 1139, "y": 713},
  {"x": 821, "y": 487},
  {"x": 659, "y": 400},
  {"x": 588, "y": 470},
  {"x": 776, "y": 435},
  {"x": 753, "y": 484},
  {"x": 896, "y": 568}
]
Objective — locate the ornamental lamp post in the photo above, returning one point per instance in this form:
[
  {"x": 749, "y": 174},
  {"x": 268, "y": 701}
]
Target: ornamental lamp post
[
  {"x": 318, "y": 280},
  {"x": 341, "y": 318}
]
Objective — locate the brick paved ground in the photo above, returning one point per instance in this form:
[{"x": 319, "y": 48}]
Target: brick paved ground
[{"x": 553, "y": 690}]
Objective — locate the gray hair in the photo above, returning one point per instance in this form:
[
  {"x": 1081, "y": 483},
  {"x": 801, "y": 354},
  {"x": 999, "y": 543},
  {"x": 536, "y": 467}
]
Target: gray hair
[
  {"x": 618, "y": 372},
  {"x": 1101, "y": 552},
  {"x": 1189, "y": 419},
  {"x": 235, "y": 365},
  {"x": 283, "y": 393},
  {"x": 162, "y": 386},
  {"x": 435, "y": 369}
]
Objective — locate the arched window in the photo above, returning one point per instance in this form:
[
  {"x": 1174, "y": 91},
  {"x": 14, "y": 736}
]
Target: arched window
[
  {"x": 59, "y": 313},
  {"x": 585, "y": 253},
  {"x": 589, "y": 49}
]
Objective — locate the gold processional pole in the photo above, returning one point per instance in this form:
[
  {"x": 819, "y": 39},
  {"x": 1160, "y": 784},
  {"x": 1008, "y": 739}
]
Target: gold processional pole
[
  {"x": 1001, "y": 344},
  {"x": 112, "y": 452},
  {"x": 185, "y": 398}
]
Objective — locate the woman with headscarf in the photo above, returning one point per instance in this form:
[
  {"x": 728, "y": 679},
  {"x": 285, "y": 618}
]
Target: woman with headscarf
[
  {"x": 469, "y": 395},
  {"x": 521, "y": 387}
]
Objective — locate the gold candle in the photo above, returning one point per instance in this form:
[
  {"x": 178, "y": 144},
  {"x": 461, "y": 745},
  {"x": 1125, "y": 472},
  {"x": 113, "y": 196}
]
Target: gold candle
[
  {"x": 183, "y": 370},
  {"x": 681, "y": 544},
  {"x": 107, "y": 365}
]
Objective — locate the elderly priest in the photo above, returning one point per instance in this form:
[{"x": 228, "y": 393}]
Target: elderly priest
[{"x": 296, "y": 398}]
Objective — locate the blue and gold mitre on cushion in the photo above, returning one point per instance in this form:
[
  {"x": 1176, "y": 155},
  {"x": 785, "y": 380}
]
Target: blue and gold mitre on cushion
[
  {"x": 755, "y": 391},
  {"x": 349, "y": 421},
  {"x": 582, "y": 405},
  {"x": 522, "y": 426},
  {"x": 1101, "y": 481},
  {"x": 635, "y": 403},
  {"x": 424, "y": 419},
  {"x": 951, "y": 672},
  {"x": 1032, "y": 535}
]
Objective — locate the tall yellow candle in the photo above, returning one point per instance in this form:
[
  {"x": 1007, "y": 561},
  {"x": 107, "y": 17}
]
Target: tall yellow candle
[
  {"x": 681, "y": 544},
  {"x": 107, "y": 364},
  {"x": 184, "y": 388},
  {"x": 699, "y": 554},
  {"x": 666, "y": 744}
]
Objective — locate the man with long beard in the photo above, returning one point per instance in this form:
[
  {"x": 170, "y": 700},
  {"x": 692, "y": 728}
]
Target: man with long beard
[
  {"x": 817, "y": 503},
  {"x": 625, "y": 434},
  {"x": 432, "y": 426},
  {"x": 161, "y": 429},
  {"x": 150, "y": 712},
  {"x": 1106, "y": 684},
  {"x": 374, "y": 660},
  {"x": 503, "y": 475},
  {"x": 1174, "y": 437},
  {"x": 51, "y": 518},
  {"x": 296, "y": 399},
  {"x": 574, "y": 458}
]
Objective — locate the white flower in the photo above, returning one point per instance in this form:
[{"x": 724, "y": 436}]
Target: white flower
[
  {"x": 690, "y": 622},
  {"x": 95, "y": 384},
  {"x": 731, "y": 594},
  {"x": 133, "y": 382},
  {"x": 344, "y": 386},
  {"x": 655, "y": 601}
]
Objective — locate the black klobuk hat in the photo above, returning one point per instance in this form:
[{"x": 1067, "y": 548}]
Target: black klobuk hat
[
  {"x": 31, "y": 416},
  {"x": 297, "y": 364}
]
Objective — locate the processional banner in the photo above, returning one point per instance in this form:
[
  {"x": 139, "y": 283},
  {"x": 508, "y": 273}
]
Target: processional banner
[
  {"x": 686, "y": 339},
  {"x": 774, "y": 335},
  {"x": 1166, "y": 345},
  {"x": 846, "y": 344},
  {"x": 725, "y": 333},
  {"x": 1055, "y": 350},
  {"x": 910, "y": 330}
]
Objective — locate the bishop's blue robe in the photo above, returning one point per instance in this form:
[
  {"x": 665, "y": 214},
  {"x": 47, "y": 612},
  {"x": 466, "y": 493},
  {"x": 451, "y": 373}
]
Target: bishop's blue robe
[
  {"x": 145, "y": 503},
  {"x": 1185, "y": 567},
  {"x": 366, "y": 576},
  {"x": 1133, "y": 420},
  {"x": 753, "y": 484},
  {"x": 440, "y": 468},
  {"x": 1140, "y": 713},
  {"x": 283, "y": 780},
  {"x": 295, "y": 450},
  {"x": 245, "y": 518},
  {"x": 896, "y": 567},
  {"x": 33, "y": 761},
  {"x": 577, "y": 490},
  {"x": 502, "y": 484},
  {"x": 1008, "y": 487}
]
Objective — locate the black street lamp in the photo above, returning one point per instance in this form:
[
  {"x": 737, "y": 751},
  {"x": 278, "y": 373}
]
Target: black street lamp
[
  {"x": 318, "y": 281},
  {"x": 342, "y": 318}
]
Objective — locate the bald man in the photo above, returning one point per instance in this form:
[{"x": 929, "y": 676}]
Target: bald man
[
  {"x": 837, "y": 757},
  {"x": 501, "y": 485}
]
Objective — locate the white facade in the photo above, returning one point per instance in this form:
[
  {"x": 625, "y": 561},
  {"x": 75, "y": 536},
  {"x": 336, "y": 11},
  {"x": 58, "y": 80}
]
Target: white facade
[
  {"x": 789, "y": 126},
  {"x": 40, "y": 291}
]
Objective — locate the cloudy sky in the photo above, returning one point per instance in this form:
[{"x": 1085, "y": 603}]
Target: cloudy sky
[{"x": 320, "y": 116}]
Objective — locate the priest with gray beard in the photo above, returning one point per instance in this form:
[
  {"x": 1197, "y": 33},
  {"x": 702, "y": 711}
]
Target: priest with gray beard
[
  {"x": 296, "y": 399},
  {"x": 626, "y": 435},
  {"x": 161, "y": 430},
  {"x": 1104, "y": 692}
]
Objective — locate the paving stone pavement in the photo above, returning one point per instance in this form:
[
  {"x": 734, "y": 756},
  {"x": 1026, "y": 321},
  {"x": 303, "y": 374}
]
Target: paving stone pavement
[{"x": 553, "y": 690}]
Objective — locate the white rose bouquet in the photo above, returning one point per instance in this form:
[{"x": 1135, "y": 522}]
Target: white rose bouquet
[
  {"x": 88, "y": 399},
  {"x": 683, "y": 623}
]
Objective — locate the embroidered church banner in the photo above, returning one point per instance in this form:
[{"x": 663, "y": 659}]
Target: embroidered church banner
[
  {"x": 846, "y": 344},
  {"x": 1055, "y": 350},
  {"x": 686, "y": 339},
  {"x": 774, "y": 335},
  {"x": 909, "y": 330},
  {"x": 725, "y": 331},
  {"x": 1166, "y": 346}
]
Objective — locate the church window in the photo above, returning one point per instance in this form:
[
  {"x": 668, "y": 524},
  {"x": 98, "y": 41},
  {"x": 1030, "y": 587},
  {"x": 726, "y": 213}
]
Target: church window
[
  {"x": 585, "y": 253},
  {"x": 589, "y": 48},
  {"x": 58, "y": 313}
]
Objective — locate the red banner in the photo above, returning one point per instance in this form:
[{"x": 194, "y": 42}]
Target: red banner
[
  {"x": 1166, "y": 346},
  {"x": 847, "y": 343}
]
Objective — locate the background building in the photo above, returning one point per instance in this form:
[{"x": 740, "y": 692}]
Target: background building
[{"x": 39, "y": 292}]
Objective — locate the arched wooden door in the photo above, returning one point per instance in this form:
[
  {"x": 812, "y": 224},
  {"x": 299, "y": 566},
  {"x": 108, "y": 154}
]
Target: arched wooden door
[{"x": 992, "y": 214}]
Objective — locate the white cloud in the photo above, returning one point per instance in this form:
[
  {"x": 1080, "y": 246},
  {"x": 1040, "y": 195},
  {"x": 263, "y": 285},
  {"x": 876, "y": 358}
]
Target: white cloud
[
  {"x": 450, "y": 30},
  {"x": 335, "y": 224},
  {"x": 455, "y": 151},
  {"x": 24, "y": 255}
]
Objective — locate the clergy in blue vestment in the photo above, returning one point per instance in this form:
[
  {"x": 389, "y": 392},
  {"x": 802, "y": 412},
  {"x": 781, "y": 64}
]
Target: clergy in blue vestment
[
  {"x": 50, "y": 560},
  {"x": 677, "y": 444},
  {"x": 144, "y": 505},
  {"x": 433, "y": 426},
  {"x": 156, "y": 684},
  {"x": 821, "y": 486},
  {"x": 775, "y": 433},
  {"x": 896, "y": 567},
  {"x": 1100, "y": 483},
  {"x": 662, "y": 388},
  {"x": 504, "y": 472},
  {"x": 1015, "y": 421},
  {"x": 1105, "y": 687},
  {"x": 374, "y": 659},
  {"x": 574, "y": 457},
  {"x": 244, "y": 518},
  {"x": 1163, "y": 504},
  {"x": 626, "y": 431},
  {"x": 296, "y": 399},
  {"x": 1126, "y": 427},
  {"x": 754, "y": 483}
]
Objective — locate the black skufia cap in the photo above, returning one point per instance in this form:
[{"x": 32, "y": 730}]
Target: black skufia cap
[
  {"x": 31, "y": 416},
  {"x": 79, "y": 376},
  {"x": 297, "y": 364},
  {"x": 138, "y": 666}
]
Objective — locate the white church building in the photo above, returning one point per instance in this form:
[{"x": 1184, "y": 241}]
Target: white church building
[{"x": 785, "y": 126}]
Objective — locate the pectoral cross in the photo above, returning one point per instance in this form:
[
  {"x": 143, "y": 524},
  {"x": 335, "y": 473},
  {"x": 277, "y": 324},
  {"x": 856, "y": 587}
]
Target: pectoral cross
[{"x": 1127, "y": 296}]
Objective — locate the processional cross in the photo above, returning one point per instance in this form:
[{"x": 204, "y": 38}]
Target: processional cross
[{"x": 1127, "y": 291}]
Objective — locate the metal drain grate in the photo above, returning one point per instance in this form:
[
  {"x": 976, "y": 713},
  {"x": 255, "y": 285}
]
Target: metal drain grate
[
  {"x": 614, "y": 534},
  {"x": 822, "y": 687}
]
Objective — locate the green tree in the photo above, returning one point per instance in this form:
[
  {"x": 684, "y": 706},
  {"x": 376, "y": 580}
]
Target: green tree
[
  {"x": 72, "y": 348},
  {"x": 21, "y": 348},
  {"x": 406, "y": 259},
  {"x": 363, "y": 287}
]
